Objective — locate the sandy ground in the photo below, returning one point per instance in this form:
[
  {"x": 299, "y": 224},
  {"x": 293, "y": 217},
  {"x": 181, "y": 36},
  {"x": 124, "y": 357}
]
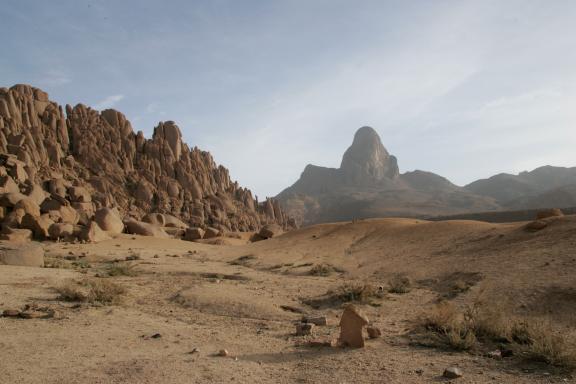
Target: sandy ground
[{"x": 200, "y": 298}]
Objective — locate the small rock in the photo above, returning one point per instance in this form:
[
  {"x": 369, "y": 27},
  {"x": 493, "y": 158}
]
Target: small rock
[
  {"x": 321, "y": 320},
  {"x": 303, "y": 329},
  {"x": 373, "y": 332},
  {"x": 11, "y": 313},
  {"x": 494, "y": 354},
  {"x": 506, "y": 352},
  {"x": 536, "y": 225},
  {"x": 36, "y": 315},
  {"x": 320, "y": 343},
  {"x": 452, "y": 373},
  {"x": 156, "y": 336},
  {"x": 223, "y": 353}
]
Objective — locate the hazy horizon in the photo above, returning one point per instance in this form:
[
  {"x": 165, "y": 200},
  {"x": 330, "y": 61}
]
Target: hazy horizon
[{"x": 464, "y": 89}]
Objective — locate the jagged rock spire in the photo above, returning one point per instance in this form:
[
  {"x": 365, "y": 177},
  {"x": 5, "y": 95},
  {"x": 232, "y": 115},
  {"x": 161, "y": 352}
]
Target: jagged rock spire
[{"x": 366, "y": 161}]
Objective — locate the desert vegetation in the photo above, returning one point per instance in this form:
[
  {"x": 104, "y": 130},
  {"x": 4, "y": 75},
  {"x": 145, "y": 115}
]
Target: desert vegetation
[
  {"x": 485, "y": 326},
  {"x": 92, "y": 291}
]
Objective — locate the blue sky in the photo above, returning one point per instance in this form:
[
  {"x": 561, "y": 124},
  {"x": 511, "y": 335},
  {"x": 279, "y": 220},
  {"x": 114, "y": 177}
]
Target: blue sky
[{"x": 462, "y": 88}]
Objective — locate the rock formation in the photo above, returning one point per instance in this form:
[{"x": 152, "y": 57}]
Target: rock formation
[
  {"x": 366, "y": 161},
  {"x": 65, "y": 164}
]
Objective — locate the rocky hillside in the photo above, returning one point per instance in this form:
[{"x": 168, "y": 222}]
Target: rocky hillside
[
  {"x": 540, "y": 188},
  {"x": 86, "y": 159},
  {"x": 369, "y": 184}
]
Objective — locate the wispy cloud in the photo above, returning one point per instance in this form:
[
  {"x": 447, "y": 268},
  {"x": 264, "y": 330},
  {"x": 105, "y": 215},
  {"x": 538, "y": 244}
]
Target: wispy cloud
[
  {"x": 54, "y": 78},
  {"x": 108, "y": 102}
]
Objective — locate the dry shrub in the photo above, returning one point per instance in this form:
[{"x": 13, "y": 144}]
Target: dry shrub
[
  {"x": 322, "y": 269},
  {"x": 490, "y": 321},
  {"x": 121, "y": 269},
  {"x": 348, "y": 292},
  {"x": 534, "y": 339},
  {"x": 91, "y": 291},
  {"x": 450, "y": 327},
  {"x": 400, "y": 284},
  {"x": 355, "y": 292},
  {"x": 56, "y": 262},
  {"x": 540, "y": 341},
  {"x": 71, "y": 291}
]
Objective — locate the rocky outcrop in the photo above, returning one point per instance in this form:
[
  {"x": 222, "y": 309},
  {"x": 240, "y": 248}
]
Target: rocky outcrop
[
  {"x": 71, "y": 162},
  {"x": 366, "y": 161},
  {"x": 28, "y": 255}
]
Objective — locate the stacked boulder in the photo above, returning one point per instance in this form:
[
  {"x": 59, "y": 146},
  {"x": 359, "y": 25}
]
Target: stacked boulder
[{"x": 61, "y": 169}]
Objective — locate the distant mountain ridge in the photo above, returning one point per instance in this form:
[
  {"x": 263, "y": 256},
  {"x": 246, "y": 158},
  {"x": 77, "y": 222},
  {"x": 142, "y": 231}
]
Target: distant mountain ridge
[
  {"x": 541, "y": 187},
  {"x": 369, "y": 184}
]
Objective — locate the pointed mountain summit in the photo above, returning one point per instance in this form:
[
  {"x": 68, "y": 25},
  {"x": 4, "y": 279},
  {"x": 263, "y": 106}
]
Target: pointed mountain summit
[
  {"x": 366, "y": 161},
  {"x": 369, "y": 184}
]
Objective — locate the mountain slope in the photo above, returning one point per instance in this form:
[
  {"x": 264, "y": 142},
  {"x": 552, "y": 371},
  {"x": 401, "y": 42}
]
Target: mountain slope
[
  {"x": 368, "y": 184},
  {"x": 542, "y": 187}
]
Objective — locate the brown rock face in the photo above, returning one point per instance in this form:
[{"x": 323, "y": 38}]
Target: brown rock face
[
  {"x": 351, "y": 324},
  {"x": 366, "y": 161},
  {"x": 85, "y": 160},
  {"x": 29, "y": 255},
  {"x": 144, "y": 229}
]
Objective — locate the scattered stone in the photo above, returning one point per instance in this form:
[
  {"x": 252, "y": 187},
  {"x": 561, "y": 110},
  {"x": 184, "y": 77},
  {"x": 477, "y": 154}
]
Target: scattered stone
[
  {"x": 68, "y": 215},
  {"x": 14, "y": 235},
  {"x": 28, "y": 255},
  {"x": 144, "y": 229},
  {"x": 61, "y": 231},
  {"x": 29, "y": 206},
  {"x": 351, "y": 324},
  {"x": 452, "y": 373},
  {"x": 93, "y": 233},
  {"x": 156, "y": 336},
  {"x": 79, "y": 195},
  {"x": 192, "y": 234},
  {"x": 29, "y": 314},
  {"x": 290, "y": 308},
  {"x": 536, "y": 225},
  {"x": 223, "y": 353},
  {"x": 269, "y": 231},
  {"x": 40, "y": 226},
  {"x": 497, "y": 354},
  {"x": 373, "y": 332},
  {"x": 320, "y": 343},
  {"x": 304, "y": 329},
  {"x": 11, "y": 313},
  {"x": 320, "y": 320},
  {"x": 108, "y": 219},
  {"x": 211, "y": 232}
]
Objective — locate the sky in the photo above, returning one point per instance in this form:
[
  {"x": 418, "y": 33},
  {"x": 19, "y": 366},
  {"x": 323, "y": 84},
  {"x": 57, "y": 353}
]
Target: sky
[{"x": 466, "y": 89}]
